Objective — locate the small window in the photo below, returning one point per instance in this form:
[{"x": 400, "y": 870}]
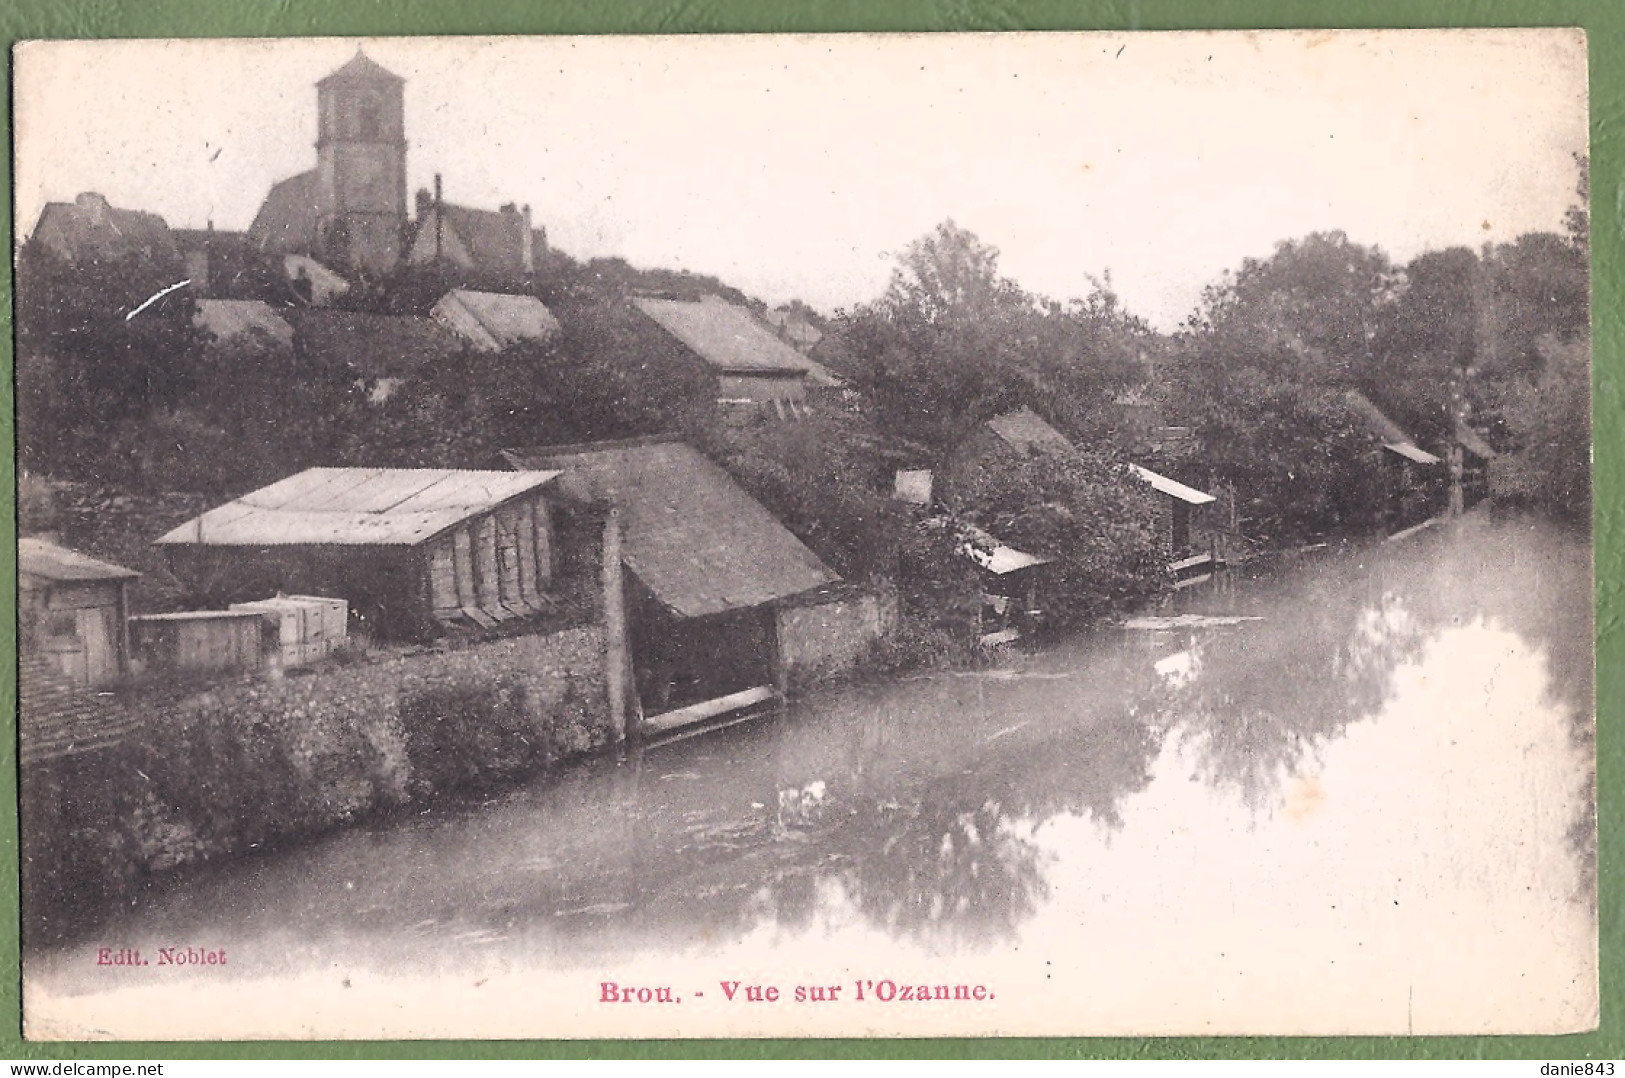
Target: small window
[{"x": 371, "y": 121}]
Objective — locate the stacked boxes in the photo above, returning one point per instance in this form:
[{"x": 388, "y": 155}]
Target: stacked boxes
[{"x": 309, "y": 627}]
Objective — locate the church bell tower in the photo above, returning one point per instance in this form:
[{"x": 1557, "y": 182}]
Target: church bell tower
[{"x": 361, "y": 167}]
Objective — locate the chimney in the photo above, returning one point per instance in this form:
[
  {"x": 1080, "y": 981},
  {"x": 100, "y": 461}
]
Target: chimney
[
  {"x": 439, "y": 217},
  {"x": 425, "y": 204},
  {"x": 93, "y": 206},
  {"x": 527, "y": 249}
]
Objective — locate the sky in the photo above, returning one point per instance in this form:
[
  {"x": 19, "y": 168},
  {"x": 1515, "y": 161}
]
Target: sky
[{"x": 799, "y": 167}]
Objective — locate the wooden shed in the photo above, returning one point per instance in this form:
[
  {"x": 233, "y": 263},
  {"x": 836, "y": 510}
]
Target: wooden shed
[
  {"x": 201, "y": 641},
  {"x": 414, "y": 551},
  {"x": 72, "y": 611}
]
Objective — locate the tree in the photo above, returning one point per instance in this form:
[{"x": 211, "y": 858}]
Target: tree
[
  {"x": 1549, "y": 416},
  {"x": 100, "y": 345},
  {"x": 1085, "y": 512},
  {"x": 1262, "y": 370},
  {"x": 935, "y": 349}
]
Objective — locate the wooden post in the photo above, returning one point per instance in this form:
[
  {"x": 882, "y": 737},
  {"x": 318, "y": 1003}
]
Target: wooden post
[
  {"x": 615, "y": 644},
  {"x": 1457, "y": 502}
]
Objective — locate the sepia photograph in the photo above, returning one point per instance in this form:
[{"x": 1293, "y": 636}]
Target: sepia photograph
[{"x": 864, "y": 535}]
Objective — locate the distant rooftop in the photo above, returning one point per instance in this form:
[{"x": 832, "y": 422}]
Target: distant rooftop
[
  {"x": 42, "y": 558},
  {"x": 727, "y": 337}
]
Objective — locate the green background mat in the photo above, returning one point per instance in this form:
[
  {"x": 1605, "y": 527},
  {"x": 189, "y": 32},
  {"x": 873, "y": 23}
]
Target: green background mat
[{"x": 1605, "y": 22}]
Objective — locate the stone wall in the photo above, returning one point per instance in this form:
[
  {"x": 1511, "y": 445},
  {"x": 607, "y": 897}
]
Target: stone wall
[
  {"x": 824, "y": 639},
  {"x": 219, "y": 768}
]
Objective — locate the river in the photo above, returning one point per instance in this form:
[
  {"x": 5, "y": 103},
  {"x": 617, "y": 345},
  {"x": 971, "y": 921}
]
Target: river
[{"x": 1349, "y": 795}]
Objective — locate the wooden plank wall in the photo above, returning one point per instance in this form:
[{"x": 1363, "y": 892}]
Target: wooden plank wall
[{"x": 493, "y": 568}]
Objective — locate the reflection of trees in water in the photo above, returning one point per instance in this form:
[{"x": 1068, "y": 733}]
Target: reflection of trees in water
[
  {"x": 1261, "y": 700},
  {"x": 928, "y": 805},
  {"x": 949, "y": 860}
]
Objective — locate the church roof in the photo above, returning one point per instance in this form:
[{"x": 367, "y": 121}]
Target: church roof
[
  {"x": 361, "y": 68},
  {"x": 287, "y": 219}
]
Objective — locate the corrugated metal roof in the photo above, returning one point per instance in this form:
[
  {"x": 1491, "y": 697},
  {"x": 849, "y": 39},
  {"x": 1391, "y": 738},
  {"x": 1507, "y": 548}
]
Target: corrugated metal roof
[
  {"x": 355, "y": 507},
  {"x": 1025, "y": 429},
  {"x": 38, "y": 557},
  {"x": 725, "y": 336},
  {"x": 697, "y": 540},
  {"x": 1172, "y": 487},
  {"x": 225, "y": 319},
  {"x": 507, "y": 318}
]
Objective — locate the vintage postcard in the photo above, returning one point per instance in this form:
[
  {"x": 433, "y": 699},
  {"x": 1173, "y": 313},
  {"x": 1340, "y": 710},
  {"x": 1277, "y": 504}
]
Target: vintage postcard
[{"x": 851, "y": 536}]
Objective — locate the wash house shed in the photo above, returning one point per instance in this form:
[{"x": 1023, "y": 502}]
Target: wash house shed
[
  {"x": 707, "y": 568},
  {"x": 72, "y": 611},
  {"x": 415, "y": 552},
  {"x": 1412, "y": 478},
  {"x": 1186, "y": 516}
]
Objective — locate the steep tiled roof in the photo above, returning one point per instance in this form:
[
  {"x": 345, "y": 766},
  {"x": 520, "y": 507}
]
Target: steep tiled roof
[
  {"x": 88, "y": 229},
  {"x": 494, "y": 240},
  {"x": 375, "y": 345},
  {"x": 694, "y": 538}
]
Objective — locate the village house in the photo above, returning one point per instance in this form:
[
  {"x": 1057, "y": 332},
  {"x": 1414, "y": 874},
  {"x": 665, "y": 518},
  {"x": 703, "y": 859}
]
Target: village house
[
  {"x": 492, "y": 321},
  {"x": 750, "y": 365},
  {"x": 90, "y": 231},
  {"x": 712, "y": 579},
  {"x": 794, "y": 328},
  {"x": 415, "y": 552},
  {"x": 499, "y": 246},
  {"x": 72, "y": 611},
  {"x": 229, "y": 265}
]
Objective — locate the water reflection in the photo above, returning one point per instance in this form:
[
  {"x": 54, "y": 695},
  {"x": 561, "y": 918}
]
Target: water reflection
[{"x": 968, "y": 810}]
